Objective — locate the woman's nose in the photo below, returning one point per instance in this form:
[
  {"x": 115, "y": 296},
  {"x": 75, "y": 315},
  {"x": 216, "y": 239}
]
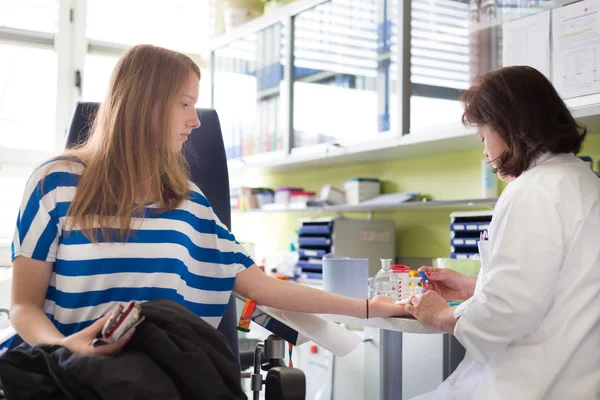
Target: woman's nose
[
  {"x": 194, "y": 122},
  {"x": 485, "y": 153}
]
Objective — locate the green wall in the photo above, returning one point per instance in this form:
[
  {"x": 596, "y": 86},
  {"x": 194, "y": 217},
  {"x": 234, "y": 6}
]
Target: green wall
[{"x": 420, "y": 233}]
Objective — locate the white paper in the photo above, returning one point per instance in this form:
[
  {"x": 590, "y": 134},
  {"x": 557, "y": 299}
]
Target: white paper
[
  {"x": 323, "y": 332},
  {"x": 576, "y": 49},
  {"x": 526, "y": 41},
  {"x": 335, "y": 338}
]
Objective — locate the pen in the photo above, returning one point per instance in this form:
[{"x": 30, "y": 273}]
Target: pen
[{"x": 424, "y": 276}]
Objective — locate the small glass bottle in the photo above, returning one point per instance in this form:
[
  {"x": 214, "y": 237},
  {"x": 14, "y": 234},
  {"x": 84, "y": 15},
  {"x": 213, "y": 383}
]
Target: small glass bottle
[{"x": 385, "y": 282}]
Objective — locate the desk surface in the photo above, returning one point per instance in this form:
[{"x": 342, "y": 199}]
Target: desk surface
[{"x": 406, "y": 325}]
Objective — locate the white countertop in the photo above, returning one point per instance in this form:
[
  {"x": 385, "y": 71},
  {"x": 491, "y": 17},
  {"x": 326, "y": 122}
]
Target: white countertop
[{"x": 399, "y": 324}]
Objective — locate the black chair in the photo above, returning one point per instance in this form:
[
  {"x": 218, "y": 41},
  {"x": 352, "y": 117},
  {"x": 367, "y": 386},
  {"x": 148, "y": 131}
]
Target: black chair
[{"x": 208, "y": 167}]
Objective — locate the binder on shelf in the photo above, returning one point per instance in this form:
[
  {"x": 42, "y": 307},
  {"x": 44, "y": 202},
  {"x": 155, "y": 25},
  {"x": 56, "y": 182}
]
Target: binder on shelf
[
  {"x": 309, "y": 266},
  {"x": 314, "y": 241},
  {"x": 469, "y": 226},
  {"x": 310, "y": 275},
  {"x": 311, "y": 253},
  {"x": 464, "y": 256},
  {"x": 344, "y": 237},
  {"x": 464, "y": 249},
  {"x": 315, "y": 229},
  {"x": 465, "y": 229},
  {"x": 464, "y": 242}
]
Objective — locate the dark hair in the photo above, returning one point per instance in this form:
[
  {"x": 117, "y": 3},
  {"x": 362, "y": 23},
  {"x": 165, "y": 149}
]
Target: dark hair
[{"x": 524, "y": 108}]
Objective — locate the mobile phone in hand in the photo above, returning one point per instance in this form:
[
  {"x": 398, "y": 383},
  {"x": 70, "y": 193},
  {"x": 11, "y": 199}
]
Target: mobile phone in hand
[{"x": 121, "y": 321}]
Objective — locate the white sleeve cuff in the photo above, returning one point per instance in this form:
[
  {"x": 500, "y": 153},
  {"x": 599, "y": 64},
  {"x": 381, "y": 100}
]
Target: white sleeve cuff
[{"x": 460, "y": 309}]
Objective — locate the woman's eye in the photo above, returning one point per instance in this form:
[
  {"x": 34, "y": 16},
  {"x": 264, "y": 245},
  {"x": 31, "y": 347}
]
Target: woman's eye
[{"x": 481, "y": 140}]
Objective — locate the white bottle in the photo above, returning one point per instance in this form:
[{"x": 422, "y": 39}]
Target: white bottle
[
  {"x": 385, "y": 282},
  {"x": 489, "y": 180}
]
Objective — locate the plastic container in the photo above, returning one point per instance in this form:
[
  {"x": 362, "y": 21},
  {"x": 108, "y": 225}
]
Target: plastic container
[
  {"x": 283, "y": 195},
  {"x": 402, "y": 273},
  {"x": 332, "y": 195},
  {"x": 361, "y": 189},
  {"x": 385, "y": 282},
  {"x": 301, "y": 197},
  {"x": 346, "y": 276}
]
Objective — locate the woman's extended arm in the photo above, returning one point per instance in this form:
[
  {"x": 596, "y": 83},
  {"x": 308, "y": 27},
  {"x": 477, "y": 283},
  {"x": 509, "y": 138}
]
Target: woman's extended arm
[{"x": 256, "y": 285}]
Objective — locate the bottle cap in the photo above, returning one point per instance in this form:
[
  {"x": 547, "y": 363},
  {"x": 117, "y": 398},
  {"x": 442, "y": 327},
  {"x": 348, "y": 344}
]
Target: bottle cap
[
  {"x": 400, "y": 268},
  {"x": 385, "y": 264}
]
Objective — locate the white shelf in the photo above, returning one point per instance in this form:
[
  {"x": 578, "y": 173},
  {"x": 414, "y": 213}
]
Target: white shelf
[
  {"x": 426, "y": 142},
  {"x": 414, "y": 145},
  {"x": 588, "y": 115},
  {"x": 412, "y": 205}
]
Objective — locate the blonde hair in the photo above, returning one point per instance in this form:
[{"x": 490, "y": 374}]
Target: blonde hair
[{"x": 129, "y": 157}]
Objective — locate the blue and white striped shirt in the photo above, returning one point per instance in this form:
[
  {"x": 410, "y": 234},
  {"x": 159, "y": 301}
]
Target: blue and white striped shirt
[{"x": 186, "y": 255}]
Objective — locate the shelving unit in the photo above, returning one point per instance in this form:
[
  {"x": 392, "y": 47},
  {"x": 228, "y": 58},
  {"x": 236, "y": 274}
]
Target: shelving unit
[
  {"x": 502, "y": 19},
  {"x": 417, "y": 144},
  {"x": 413, "y": 205},
  {"x": 394, "y": 62}
]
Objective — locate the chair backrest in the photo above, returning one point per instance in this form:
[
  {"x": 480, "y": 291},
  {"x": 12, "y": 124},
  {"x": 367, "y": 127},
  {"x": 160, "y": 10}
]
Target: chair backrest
[{"x": 205, "y": 155}]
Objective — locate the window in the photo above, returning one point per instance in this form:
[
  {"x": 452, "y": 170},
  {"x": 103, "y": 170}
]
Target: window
[
  {"x": 33, "y": 15},
  {"x": 27, "y": 94},
  {"x": 96, "y": 74},
  {"x": 12, "y": 185},
  {"x": 336, "y": 62},
  {"x": 440, "y": 61},
  {"x": 176, "y": 24}
]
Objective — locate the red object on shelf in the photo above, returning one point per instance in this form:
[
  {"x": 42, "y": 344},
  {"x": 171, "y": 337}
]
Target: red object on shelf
[
  {"x": 314, "y": 349},
  {"x": 400, "y": 268}
]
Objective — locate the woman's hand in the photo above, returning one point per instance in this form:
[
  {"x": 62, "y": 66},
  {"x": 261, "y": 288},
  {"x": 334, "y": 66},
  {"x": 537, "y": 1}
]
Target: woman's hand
[
  {"x": 432, "y": 310},
  {"x": 81, "y": 342},
  {"x": 449, "y": 284},
  {"x": 383, "y": 306}
]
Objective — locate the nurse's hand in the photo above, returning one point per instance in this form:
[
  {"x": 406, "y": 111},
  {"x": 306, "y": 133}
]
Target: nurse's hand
[
  {"x": 432, "y": 310},
  {"x": 449, "y": 284},
  {"x": 383, "y": 306},
  {"x": 81, "y": 342}
]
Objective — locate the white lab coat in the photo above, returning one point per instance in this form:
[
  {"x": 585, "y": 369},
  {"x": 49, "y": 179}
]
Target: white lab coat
[{"x": 532, "y": 328}]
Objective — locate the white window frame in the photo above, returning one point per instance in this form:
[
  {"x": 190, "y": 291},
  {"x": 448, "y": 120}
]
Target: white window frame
[{"x": 70, "y": 45}]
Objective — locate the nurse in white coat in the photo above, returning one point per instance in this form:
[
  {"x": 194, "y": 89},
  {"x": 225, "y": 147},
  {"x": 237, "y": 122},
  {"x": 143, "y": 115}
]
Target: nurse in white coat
[{"x": 531, "y": 320}]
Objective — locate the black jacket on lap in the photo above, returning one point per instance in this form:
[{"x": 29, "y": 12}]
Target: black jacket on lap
[{"x": 173, "y": 355}]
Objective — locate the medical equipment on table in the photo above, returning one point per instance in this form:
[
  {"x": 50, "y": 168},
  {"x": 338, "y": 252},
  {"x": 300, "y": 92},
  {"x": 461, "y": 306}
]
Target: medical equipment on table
[
  {"x": 403, "y": 276},
  {"x": 385, "y": 281},
  {"x": 424, "y": 276}
]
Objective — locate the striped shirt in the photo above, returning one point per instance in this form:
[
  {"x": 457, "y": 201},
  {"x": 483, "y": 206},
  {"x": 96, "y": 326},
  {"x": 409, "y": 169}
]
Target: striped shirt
[{"x": 186, "y": 255}]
